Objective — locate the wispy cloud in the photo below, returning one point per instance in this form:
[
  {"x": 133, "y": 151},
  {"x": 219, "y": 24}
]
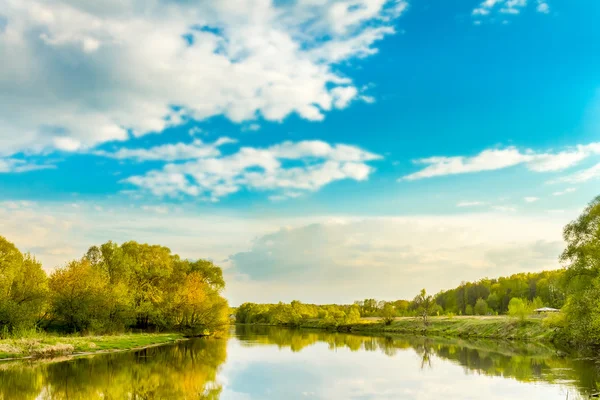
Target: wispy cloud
[
  {"x": 504, "y": 208},
  {"x": 582, "y": 176},
  {"x": 286, "y": 170},
  {"x": 563, "y": 192},
  {"x": 470, "y": 204},
  {"x": 531, "y": 199},
  {"x": 16, "y": 166},
  {"x": 509, "y": 7},
  {"x": 170, "y": 152},
  {"x": 494, "y": 159}
]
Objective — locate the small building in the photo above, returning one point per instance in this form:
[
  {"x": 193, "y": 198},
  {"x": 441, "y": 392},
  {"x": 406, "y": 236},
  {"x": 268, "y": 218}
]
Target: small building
[{"x": 546, "y": 310}]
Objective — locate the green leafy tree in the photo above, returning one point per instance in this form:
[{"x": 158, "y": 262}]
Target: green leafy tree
[
  {"x": 23, "y": 289},
  {"x": 79, "y": 296},
  {"x": 388, "y": 313},
  {"x": 481, "y": 307},
  {"x": 493, "y": 302},
  {"x": 425, "y": 305}
]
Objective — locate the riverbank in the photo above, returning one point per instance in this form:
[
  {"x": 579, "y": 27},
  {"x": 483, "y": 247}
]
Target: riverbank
[
  {"x": 54, "y": 346},
  {"x": 485, "y": 327}
]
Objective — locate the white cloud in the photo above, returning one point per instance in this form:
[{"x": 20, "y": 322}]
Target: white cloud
[
  {"x": 470, "y": 203},
  {"x": 89, "y": 72},
  {"x": 531, "y": 199},
  {"x": 494, "y": 159},
  {"x": 195, "y": 131},
  {"x": 543, "y": 7},
  {"x": 583, "y": 176},
  {"x": 489, "y": 7},
  {"x": 562, "y": 193},
  {"x": 287, "y": 169},
  {"x": 15, "y": 165},
  {"x": 170, "y": 152}
]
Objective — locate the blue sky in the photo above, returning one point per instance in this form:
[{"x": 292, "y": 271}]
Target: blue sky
[{"x": 279, "y": 118}]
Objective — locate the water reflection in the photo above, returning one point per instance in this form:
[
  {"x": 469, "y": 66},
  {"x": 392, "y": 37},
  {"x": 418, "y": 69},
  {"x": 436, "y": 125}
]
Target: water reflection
[
  {"x": 524, "y": 362},
  {"x": 186, "y": 370},
  {"x": 273, "y": 363}
]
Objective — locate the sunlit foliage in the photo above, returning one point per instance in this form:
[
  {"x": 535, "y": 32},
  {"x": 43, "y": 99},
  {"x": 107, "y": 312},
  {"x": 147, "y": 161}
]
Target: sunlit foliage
[
  {"x": 582, "y": 279},
  {"x": 23, "y": 289},
  {"x": 112, "y": 288}
]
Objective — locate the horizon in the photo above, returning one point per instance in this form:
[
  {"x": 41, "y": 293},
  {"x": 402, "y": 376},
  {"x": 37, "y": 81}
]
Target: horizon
[{"x": 323, "y": 151}]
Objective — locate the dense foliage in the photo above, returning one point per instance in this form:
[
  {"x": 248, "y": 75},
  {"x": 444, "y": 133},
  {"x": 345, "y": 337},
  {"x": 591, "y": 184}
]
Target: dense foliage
[
  {"x": 484, "y": 297},
  {"x": 582, "y": 279},
  {"x": 112, "y": 288},
  {"x": 295, "y": 313}
]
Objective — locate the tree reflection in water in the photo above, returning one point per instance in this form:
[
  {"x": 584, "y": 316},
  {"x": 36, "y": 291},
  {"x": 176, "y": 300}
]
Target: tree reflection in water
[
  {"x": 185, "y": 370},
  {"x": 525, "y": 362}
]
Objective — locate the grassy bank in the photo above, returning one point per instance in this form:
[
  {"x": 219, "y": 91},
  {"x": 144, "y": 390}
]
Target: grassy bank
[
  {"x": 53, "y": 346},
  {"x": 493, "y": 327}
]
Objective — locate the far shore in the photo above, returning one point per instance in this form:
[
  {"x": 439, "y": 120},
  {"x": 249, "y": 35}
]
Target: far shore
[{"x": 483, "y": 327}]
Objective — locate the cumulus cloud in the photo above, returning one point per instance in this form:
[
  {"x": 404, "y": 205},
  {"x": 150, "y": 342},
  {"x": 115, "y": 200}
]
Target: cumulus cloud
[
  {"x": 489, "y": 7},
  {"x": 288, "y": 169},
  {"x": 79, "y": 73},
  {"x": 494, "y": 159}
]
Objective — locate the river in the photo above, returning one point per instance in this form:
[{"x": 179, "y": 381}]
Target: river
[{"x": 258, "y": 363}]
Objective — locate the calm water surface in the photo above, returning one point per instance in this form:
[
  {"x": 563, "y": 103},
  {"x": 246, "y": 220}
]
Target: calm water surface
[{"x": 273, "y": 363}]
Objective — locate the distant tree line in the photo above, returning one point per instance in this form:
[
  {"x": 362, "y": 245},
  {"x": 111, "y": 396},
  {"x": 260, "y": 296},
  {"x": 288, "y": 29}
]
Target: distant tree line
[
  {"x": 296, "y": 313},
  {"x": 112, "y": 288},
  {"x": 484, "y": 297}
]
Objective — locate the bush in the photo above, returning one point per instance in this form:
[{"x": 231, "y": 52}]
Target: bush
[{"x": 388, "y": 313}]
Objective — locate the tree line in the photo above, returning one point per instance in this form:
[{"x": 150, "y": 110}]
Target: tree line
[
  {"x": 112, "y": 288},
  {"x": 575, "y": 289},
  {"x": 516, "y": 295}
]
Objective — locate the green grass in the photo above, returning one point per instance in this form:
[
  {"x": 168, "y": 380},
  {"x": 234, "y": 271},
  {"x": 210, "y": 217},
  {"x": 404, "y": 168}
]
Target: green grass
[
  {"x": 493, "y": 327},
  {"x": 51, "y": 346}
]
